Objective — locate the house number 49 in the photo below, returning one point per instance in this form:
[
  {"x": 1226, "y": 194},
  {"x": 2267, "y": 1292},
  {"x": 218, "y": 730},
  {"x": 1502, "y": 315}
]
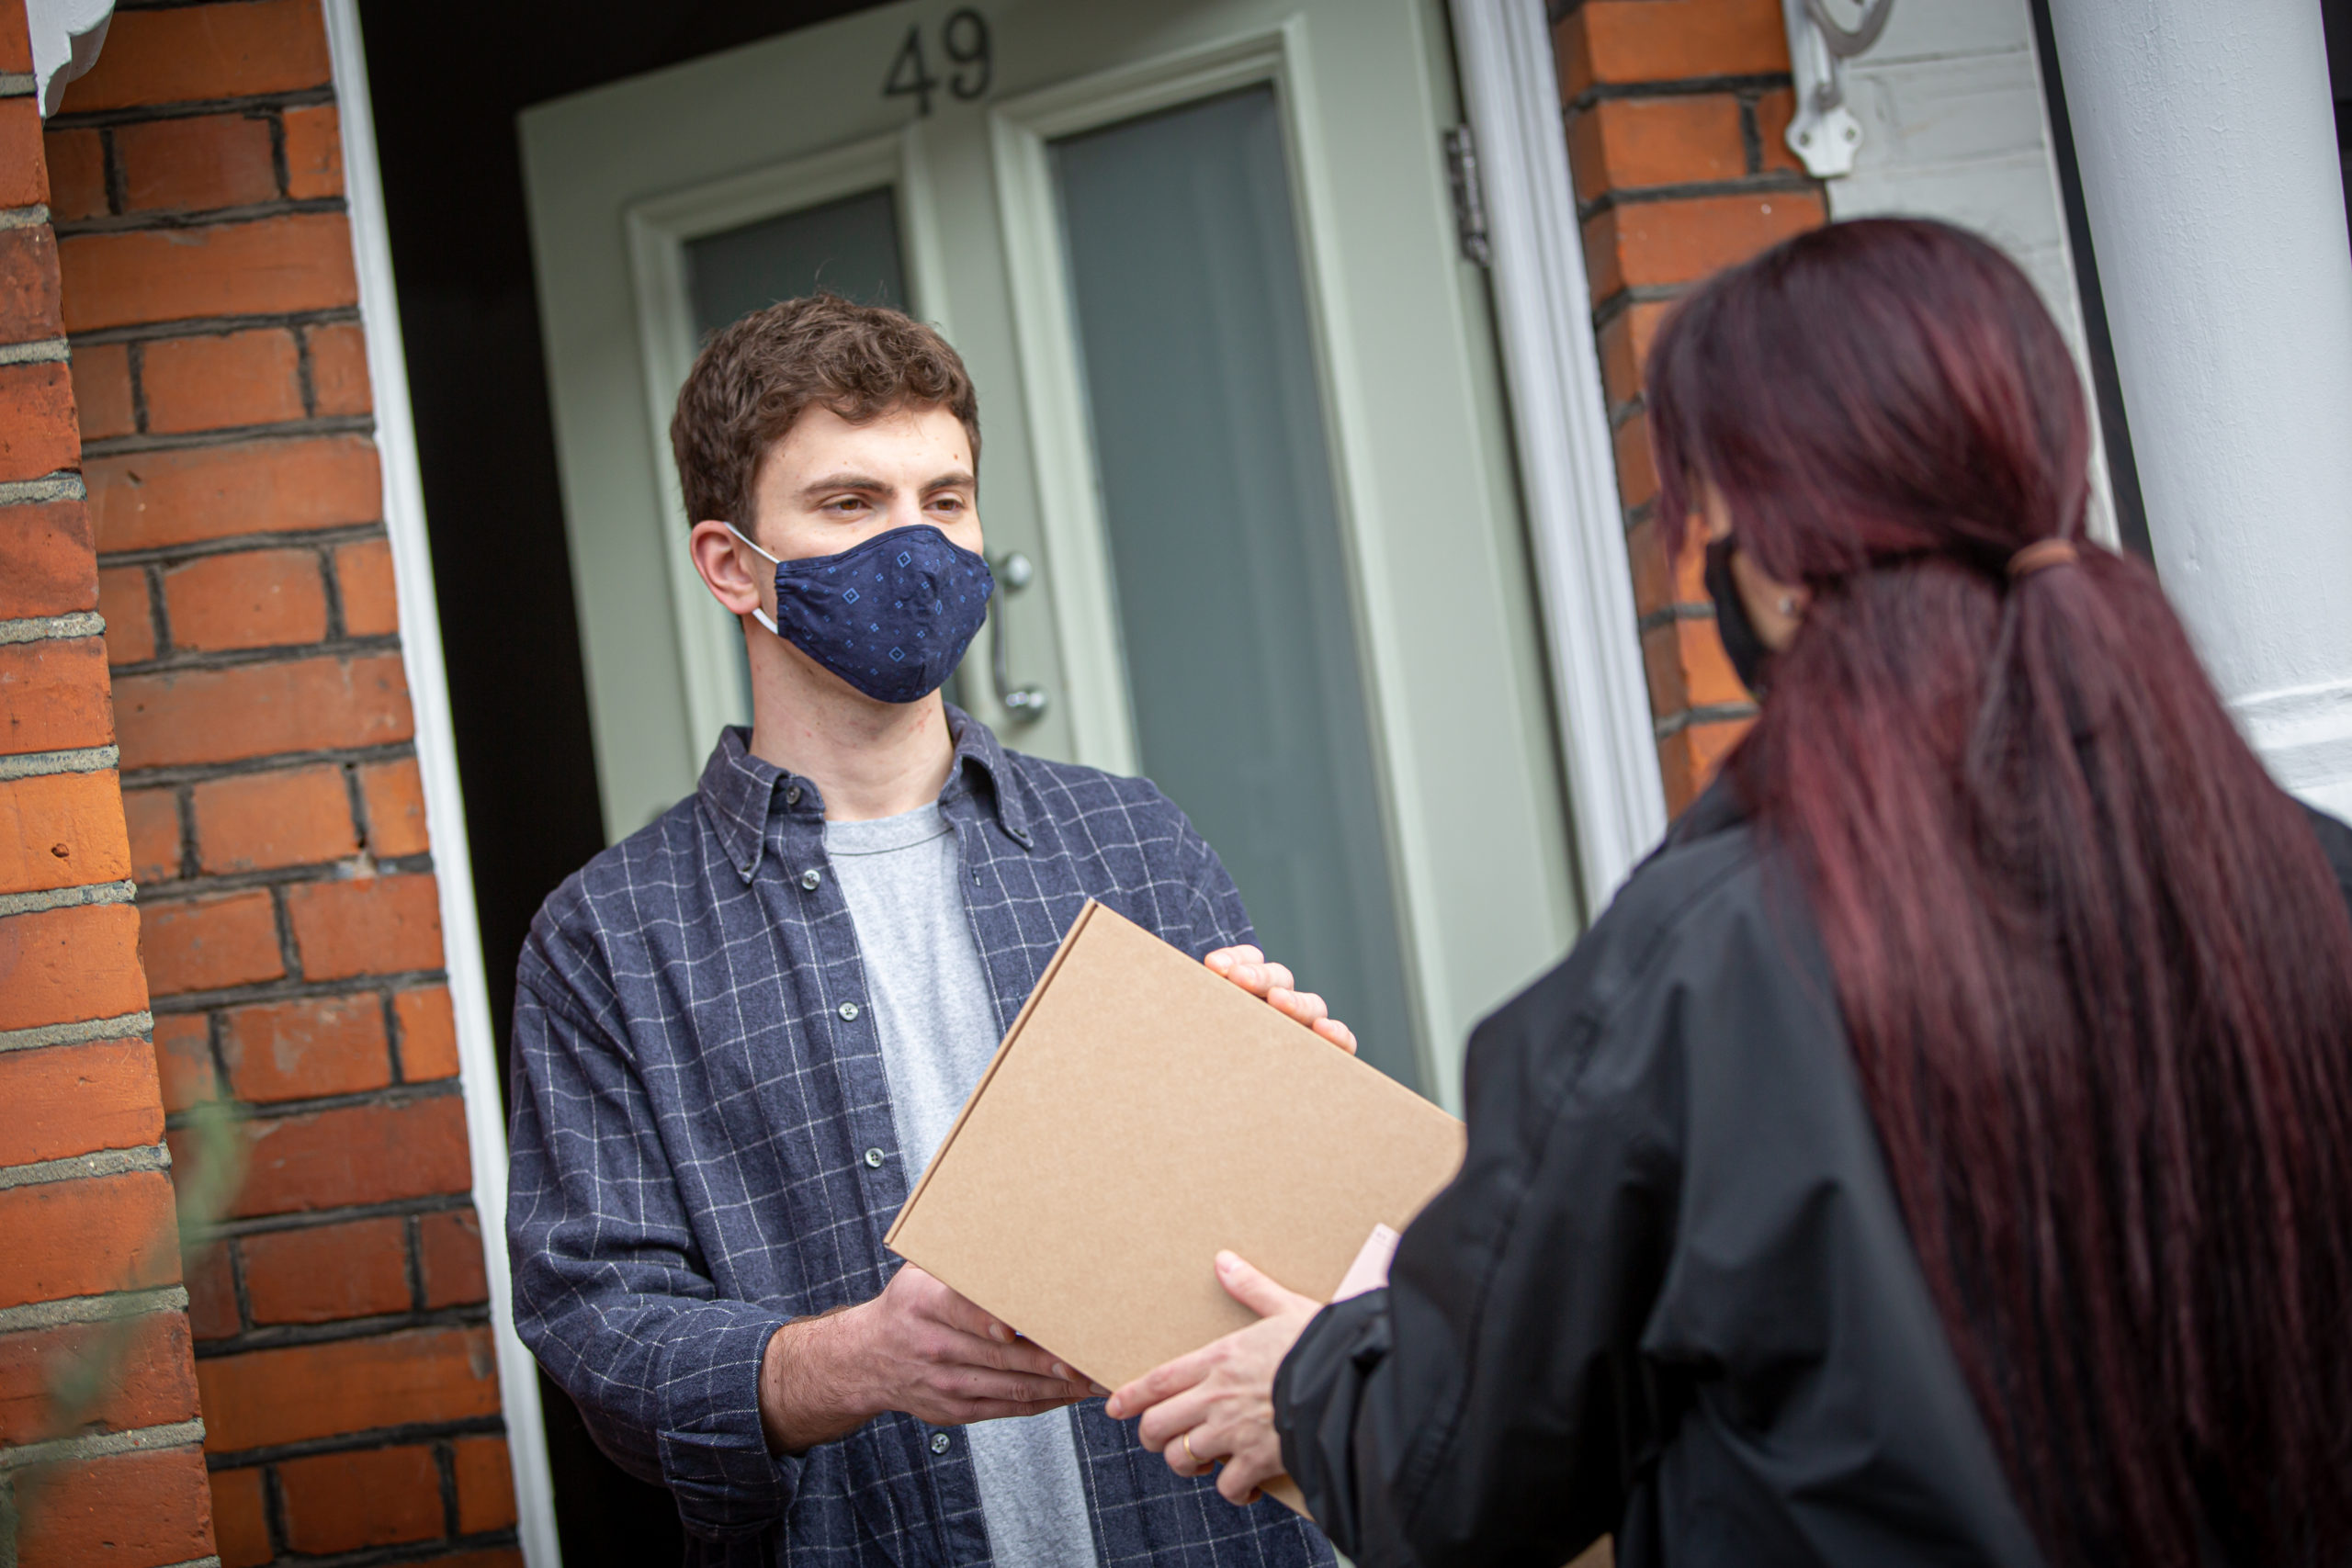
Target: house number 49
[{"x": 964, "y": 37}]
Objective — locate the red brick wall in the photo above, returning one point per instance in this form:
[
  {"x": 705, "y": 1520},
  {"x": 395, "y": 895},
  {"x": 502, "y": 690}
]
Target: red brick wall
[
  {"x": 1674, "y": 115},
  {"x": 287, "y": 907},
  {"x": 109, "y": 1473}
]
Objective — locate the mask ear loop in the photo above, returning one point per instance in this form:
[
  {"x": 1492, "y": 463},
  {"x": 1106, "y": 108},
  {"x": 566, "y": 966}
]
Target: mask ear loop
[{"x": 758, "y": 612}]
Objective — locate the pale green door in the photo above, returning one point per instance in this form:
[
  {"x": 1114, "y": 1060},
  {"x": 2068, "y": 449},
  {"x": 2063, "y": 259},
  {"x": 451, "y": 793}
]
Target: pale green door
[
  {"x": 1240, "y": 413},
  {"x": 1223, "y": 531}
]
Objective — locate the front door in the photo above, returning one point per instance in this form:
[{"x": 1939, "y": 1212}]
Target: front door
[{"x": 1242, "y": 426}]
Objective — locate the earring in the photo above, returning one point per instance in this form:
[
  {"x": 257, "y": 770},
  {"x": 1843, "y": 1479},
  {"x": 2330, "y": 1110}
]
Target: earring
[{"x": 1788, "y": 604}]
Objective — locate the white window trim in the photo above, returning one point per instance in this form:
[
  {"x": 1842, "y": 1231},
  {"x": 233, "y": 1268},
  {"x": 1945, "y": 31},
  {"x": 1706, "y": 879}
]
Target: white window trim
[
  {"x": 436, "y": 755},
  {"x": 1566, "y": 460}
]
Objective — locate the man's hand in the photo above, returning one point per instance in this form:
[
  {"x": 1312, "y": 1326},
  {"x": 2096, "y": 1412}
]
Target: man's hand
[
  {"x": 919, "y": 1348},
  {"x": 1246, "y": 967},
  {"x": 1217, "y": 1404}
]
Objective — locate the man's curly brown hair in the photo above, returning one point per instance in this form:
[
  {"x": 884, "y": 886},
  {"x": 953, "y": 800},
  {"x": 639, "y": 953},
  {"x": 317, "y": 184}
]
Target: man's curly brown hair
[{"x": 754, "y": 377}]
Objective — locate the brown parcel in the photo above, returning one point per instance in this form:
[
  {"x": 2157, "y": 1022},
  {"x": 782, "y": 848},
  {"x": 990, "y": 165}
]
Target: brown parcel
[{"x": 1142, "y": 1113}]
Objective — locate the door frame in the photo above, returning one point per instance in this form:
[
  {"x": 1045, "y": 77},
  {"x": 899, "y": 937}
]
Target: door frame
[
  {"x": 436, "y": 760},
  {"x": 1568, "y": 468},
  {"x": 659, "y": 228},
  {"x": 1503, "y": 57},
  {"x": 1563, "y": 438}
]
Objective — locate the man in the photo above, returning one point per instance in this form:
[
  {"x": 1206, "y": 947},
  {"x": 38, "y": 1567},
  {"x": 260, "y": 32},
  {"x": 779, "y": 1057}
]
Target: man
[{"x": 741, "y": 1033}]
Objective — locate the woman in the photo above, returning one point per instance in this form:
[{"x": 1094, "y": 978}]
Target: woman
[{"x": 1941, "y": 1149}]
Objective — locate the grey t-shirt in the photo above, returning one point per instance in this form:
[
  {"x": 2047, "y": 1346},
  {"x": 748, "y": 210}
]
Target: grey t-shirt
[{"x": 930, "y": 1002}]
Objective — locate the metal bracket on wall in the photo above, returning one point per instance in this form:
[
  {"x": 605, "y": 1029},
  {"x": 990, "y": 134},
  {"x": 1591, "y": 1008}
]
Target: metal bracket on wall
[
  {"x": 1469, "y": 201},
  {"x": 1825, "y": 133}
]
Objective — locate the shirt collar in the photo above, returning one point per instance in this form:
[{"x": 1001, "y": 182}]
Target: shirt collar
[
  {"x": 978, "y": 752},
  {"x": 740, "y": 790}
]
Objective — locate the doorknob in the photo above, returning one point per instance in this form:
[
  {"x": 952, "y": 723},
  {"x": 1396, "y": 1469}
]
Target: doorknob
[{"x": 1026, "y": 704}]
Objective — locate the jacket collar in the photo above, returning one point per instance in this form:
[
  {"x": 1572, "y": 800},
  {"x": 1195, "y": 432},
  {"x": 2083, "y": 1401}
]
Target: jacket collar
[
  {"x": 740, "y": 791},
  {"x": 1718, "y": 809}
]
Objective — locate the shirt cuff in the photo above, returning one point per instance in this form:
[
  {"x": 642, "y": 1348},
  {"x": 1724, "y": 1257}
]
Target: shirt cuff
[{"x": 714, "y": 1453}]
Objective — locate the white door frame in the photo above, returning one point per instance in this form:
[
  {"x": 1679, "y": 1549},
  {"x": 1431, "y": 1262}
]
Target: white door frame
[
  {"x": 436, "y": 759},
  {"x": 1560, "y": 416}
]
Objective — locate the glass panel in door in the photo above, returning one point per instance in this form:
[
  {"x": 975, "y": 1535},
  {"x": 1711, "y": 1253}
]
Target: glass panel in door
[
  {"x": 849, "y": 246},
  {"x": 1234, "y": 601}
]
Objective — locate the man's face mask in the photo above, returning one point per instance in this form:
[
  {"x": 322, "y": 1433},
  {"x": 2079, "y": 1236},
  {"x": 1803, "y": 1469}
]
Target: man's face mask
[{"x": 892, "y": 617}]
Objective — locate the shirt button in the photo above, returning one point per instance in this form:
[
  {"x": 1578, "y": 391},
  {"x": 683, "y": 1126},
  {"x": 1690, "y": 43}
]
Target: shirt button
[
  {"x": 849, "y": 1012},
  {"x": 939, "y": 1443},
  {"x": 810, "y": 877},
  {"x": 874, "y": 1157},
  {"x": 792, "y": 795}
]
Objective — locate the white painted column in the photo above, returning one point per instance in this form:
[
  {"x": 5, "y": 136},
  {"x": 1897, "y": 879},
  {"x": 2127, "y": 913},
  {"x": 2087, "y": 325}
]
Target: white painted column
[
  {"x": 436, "y": 757},
  {"x": 1567, "y": 471},
  {"x": 2206, "y": 143}
]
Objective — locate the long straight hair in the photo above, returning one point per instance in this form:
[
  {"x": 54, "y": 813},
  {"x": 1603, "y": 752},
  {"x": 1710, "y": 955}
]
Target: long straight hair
[{"x": 2097, "y": 973}]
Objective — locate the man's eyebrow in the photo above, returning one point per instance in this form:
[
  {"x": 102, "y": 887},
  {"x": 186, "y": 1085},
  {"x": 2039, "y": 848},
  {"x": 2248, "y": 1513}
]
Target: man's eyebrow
[
  {"x": 833, "y": 484},
  {"x": 842, "y": 481}
]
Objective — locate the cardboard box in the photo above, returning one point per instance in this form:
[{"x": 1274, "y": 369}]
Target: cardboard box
[{"x": 1141, "y": 1114}]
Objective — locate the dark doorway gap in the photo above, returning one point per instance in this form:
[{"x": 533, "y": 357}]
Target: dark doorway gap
[
  {"x": 2107, "y": 387},
  {"x": 2336, "y": 16},
  {"x": 447, "y": 79}
]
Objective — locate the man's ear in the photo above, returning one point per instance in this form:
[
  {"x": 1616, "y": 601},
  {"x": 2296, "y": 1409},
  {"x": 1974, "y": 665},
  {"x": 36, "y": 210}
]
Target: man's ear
[{"x": 719, "y": 557}]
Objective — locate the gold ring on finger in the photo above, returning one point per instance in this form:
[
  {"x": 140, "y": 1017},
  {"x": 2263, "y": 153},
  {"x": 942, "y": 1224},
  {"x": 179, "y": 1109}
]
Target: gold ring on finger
[{"x": 1197, "y": 1460}]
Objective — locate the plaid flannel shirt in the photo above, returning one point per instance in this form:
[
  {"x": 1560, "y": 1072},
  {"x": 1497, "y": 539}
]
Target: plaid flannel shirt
[{"x": 703, "y": 1150}]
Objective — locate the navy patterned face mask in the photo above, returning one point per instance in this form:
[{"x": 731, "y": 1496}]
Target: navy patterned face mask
[{"x": 890, "y": 617}]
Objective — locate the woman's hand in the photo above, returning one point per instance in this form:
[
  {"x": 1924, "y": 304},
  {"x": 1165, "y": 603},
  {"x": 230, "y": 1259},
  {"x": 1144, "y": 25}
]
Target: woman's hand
[
  {"x": 1217, "y": 1404},
  {"x": 1246, "y": 967}
]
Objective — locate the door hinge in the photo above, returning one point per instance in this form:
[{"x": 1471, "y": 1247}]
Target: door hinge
[{"x": 1469, "y": 199}]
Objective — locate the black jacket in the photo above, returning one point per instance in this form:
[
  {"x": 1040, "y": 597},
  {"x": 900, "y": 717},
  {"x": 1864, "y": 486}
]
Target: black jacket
[{"x": 1671, "y": 1294}]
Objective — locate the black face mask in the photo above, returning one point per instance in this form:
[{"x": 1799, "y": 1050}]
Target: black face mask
[{"x": 1750, "y": 659}]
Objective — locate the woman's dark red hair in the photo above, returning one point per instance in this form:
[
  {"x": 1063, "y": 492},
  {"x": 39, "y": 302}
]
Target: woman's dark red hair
[{"x": 2097, "y": 973}]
